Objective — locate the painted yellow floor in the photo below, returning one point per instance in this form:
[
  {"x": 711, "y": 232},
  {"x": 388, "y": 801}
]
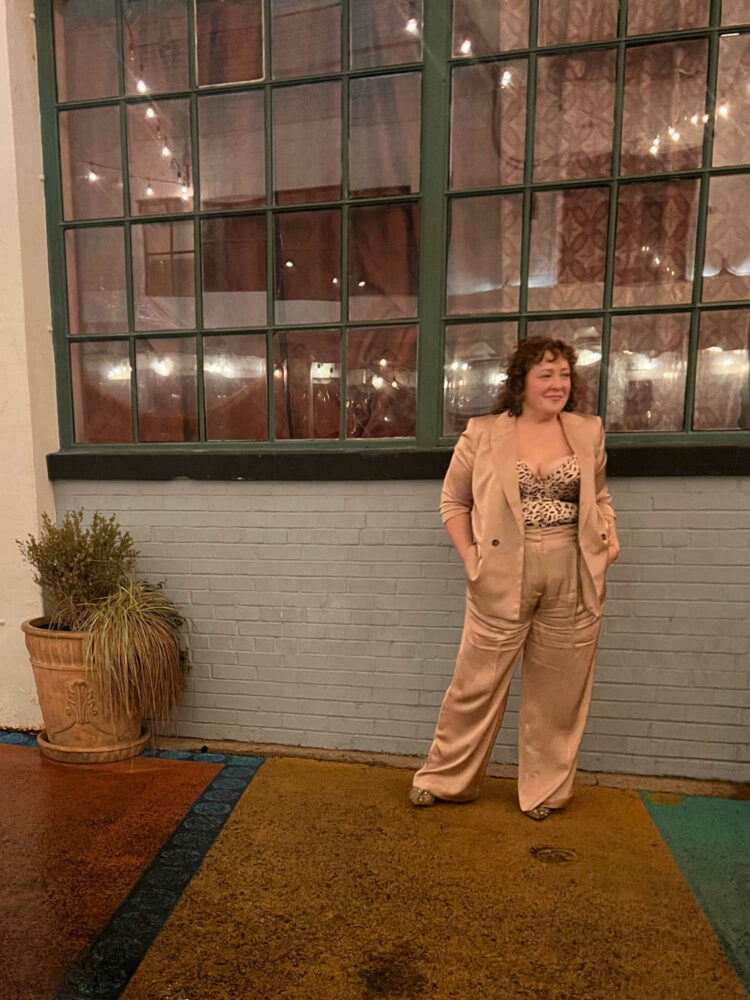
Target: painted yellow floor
[{"x": 324, "y": 883}]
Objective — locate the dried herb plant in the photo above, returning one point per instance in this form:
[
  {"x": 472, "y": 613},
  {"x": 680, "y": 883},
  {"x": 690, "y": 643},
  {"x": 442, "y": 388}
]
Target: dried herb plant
[
  {"x": 134, "y": 650},
  {"x": 77, "y": 566}
]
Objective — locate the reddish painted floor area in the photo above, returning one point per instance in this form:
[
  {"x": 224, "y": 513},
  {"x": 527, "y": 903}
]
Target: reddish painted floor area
[{"x": 73, "y": 841}]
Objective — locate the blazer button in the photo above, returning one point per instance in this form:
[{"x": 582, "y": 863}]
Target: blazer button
[
  {"x": 604, "y": 537},
  {"x": 495, "y": 542}
]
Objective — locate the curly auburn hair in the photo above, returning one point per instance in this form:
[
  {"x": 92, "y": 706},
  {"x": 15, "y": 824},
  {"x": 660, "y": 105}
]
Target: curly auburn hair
[{"x": 529, "y": 353}]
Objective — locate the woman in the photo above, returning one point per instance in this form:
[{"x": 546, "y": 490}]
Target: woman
[{"x": 525, "y": 503}]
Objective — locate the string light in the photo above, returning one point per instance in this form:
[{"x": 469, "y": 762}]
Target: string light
[
  {"x": 723, "y": 110},
  {"x": 361, "y": 284},
  {"x": 277, "y": 372},
  {"x": 411, "y": 26},
  {"x": 92, "y": 175},
  {"x": 149, "y": 191},
  {"x": 150, "y": 113},
  {"x": 466, "y": 47},
  {"x": 335, "y": 281},
  {"x": 166, "y": 151},
  {"x": 506, "y": 78},
  {"x": 288, "y": 263},
  {"x": 141, "y": 87}
]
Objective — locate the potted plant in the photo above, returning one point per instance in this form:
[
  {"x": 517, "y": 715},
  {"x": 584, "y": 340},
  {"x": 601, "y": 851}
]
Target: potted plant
[{"x": 109, "y": 655}]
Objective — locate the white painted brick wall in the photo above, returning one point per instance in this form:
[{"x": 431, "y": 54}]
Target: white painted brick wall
[{"x": 329, "y": 615}]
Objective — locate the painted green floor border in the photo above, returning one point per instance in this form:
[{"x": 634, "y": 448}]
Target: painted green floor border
[{"x": 710, "y": 841}]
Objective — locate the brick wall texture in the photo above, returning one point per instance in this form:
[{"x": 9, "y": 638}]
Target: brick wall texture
[{"x": 329, "y": 615}]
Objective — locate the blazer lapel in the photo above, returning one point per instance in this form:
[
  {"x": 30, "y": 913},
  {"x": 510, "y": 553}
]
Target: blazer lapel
[
  {"x": 505, "y": 454},
  {"x": 582, "y": 446}
]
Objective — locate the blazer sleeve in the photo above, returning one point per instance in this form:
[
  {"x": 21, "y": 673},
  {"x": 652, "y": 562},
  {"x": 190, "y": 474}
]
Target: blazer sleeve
[
  {"x": 603, "y": 498},
  {"x": 456, "y": 496}
]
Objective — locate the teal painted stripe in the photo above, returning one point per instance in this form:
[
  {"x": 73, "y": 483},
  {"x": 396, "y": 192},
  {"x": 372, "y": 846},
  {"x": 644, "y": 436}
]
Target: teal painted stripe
[{"x": 710, "y": 841}]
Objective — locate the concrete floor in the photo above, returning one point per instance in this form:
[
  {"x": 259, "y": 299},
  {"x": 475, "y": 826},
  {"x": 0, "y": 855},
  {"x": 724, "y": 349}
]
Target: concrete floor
[{"x": 188, "y": 875}]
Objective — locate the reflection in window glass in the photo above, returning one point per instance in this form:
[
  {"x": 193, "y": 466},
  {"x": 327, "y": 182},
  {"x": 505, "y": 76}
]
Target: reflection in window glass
[
  {"x": 732, "y": 124},
  {"x": 646, "y": 16},
  {"x": 235, "y": 387},
  {"x": 383, "y": 261},
  {"x": 232, "y": 143},
  {"x": 726, "y": 271},
  {"x": 90, "y": 163},
  {"x": 307, "y": 143},
  {"x": 576, "y": 21},
  {"x": 163, "y": 276},
  {"x": 663, "y": 112},
  {"x": 159, "y": 158},
  {"x": 381, "y": 382},
  {"x": 647, "y": 365},
  {"x": 308, "y": 267},
  {"x": 234, "y": 271},
  {"x": 229, "y": 37},
  {"x": 568, "y": 248},
  {"x": 384, "y": 135},
  {"x": 155, "y": 39},
  {"x": 722, "y": 384},
  {"x": 574, "y": 115},
  {"x": 101, "y": 391},
  {"x": 95, "y": 264},
  {"x": 481, "y": 27},
  {"x": 585, "y": 336},
  {"x": 306, "y": 37},
  {"x": 655, "y": 243},
  {"x": 484, "y": 254},
  {"x": 476, "y": 356},
  {"x": 488, "y": 124},
  {"x": 386, "y": 32},
  {"x": 307, "y": 384},
  {"x": 85, "y": 50},
  {"x": 167, "y": 389}
]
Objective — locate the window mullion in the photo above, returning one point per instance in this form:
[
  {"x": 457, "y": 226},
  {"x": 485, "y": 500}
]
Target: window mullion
[
  {"x": 528, "y": 168},
  {"x": 436, "y": 39}
]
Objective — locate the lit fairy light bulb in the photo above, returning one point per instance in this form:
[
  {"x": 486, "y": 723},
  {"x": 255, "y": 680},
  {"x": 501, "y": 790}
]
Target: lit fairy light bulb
[
  {"x": 166, "y": 151},
  {"x": 411, "y": 26},
  {"x": 278, "y": 372},
  {"x": 141, "y": 87},
  {"x": 466, "y": 47},
  {"x": 149, "y": 191},
  {"x": 92, "y": 175},
  {"x": 723, "y": 110},
  {"x": 184, "y": 192},
  {"x": 506, "y": 78},
  {"x": 150, "y": 113},
  {"x": 694, "y": 120}
]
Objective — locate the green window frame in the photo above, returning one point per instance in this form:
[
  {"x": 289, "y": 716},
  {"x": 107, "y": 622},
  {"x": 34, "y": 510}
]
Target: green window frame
[{"x": 433, "y": 200}]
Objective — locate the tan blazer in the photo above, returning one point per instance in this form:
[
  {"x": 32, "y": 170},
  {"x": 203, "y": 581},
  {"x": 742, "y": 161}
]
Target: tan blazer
[{"x": 482, "y": 481}]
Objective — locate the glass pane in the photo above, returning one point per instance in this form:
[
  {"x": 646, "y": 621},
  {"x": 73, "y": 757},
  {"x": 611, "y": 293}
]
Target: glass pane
[
  {"x": 726, "y": 271},
  {"x": 384, "y": 135},
  {"x": 308, "y": 267},
  {"x": 232, "y": 150},
  {"x": 383, "y": 261},
  {"x": 647, "y": 365},
  {"x": 167, "y": 389},
  {"x": 101, "y": 392},
  {"x": 484, "y": 254},
  {"x": 306, "y": 37},
  {"x": 576, "y": 21},
  {"x": 476, "y": 356},
  {"x": 488, "y": 124},
  {"x": 307, "y": 384},
  {"x": 735, "y": 12},
  {"x": 307, "y": 143},
  {"x": 732, "y": 125},
  {"x": 574, "y": 115},
  {"x": 655, "y": 243},
  {"x": 481, "y": 27},
  {"x": 568, "y": 248},
  {"x": 230, "y": 41},
  {"x": 234, "y": 271},
  {"x": 159, "y": 158},
  {"x": 90, "y": 163},
  {"x": 95, "y": 263},
  {"x": 386, "y": 32},
  {"x": 85, "y": 49},
  {"x": 381, "y": 383},
  {"x": 585, "y": 335},
  {"x": 155, "y": 37},
  {"x": 235, "y": 388},
  {"x": 163, "y": 276},
  {"x": 665, "y": 96},
  {"x": 722, "y": 382},
  {"x": 645, "y": 16}
]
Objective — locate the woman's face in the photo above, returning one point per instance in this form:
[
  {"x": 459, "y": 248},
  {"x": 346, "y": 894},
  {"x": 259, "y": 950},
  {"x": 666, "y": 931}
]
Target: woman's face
[{"x": 547, "y": 386}]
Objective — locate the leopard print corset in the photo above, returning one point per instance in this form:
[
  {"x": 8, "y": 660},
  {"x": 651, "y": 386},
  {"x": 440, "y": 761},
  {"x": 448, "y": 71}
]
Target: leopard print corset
[{"x": 550, "y": 500}]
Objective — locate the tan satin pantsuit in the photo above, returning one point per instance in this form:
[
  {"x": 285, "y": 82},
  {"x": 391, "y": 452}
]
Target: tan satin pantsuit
[{"x": 539, "y": 591}]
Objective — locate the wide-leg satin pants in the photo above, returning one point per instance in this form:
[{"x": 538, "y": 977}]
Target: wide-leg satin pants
[{"x": 558, "y": 637}]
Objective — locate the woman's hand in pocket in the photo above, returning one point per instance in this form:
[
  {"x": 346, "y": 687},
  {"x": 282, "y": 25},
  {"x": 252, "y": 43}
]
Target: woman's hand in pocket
[{"x": 471, "y": 562}]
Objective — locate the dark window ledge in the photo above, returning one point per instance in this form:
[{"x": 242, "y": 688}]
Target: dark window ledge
[{"x": 688, "y": 459}]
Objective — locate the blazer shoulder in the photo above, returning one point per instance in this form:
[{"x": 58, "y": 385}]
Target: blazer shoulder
[{"x": 477, "y": 427}]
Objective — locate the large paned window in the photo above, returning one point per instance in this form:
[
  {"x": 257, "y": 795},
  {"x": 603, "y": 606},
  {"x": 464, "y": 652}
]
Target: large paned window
[{"x": 326, "y": 224}]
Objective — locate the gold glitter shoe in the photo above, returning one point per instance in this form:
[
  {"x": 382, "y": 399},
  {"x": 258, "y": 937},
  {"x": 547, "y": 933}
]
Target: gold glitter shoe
[
  {"x": 421, "y": 797},
  {"x": 538, "y": 812}
]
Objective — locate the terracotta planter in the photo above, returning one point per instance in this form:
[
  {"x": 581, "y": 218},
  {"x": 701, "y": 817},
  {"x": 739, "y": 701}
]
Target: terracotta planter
[{"x": 77, "y": 729}]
